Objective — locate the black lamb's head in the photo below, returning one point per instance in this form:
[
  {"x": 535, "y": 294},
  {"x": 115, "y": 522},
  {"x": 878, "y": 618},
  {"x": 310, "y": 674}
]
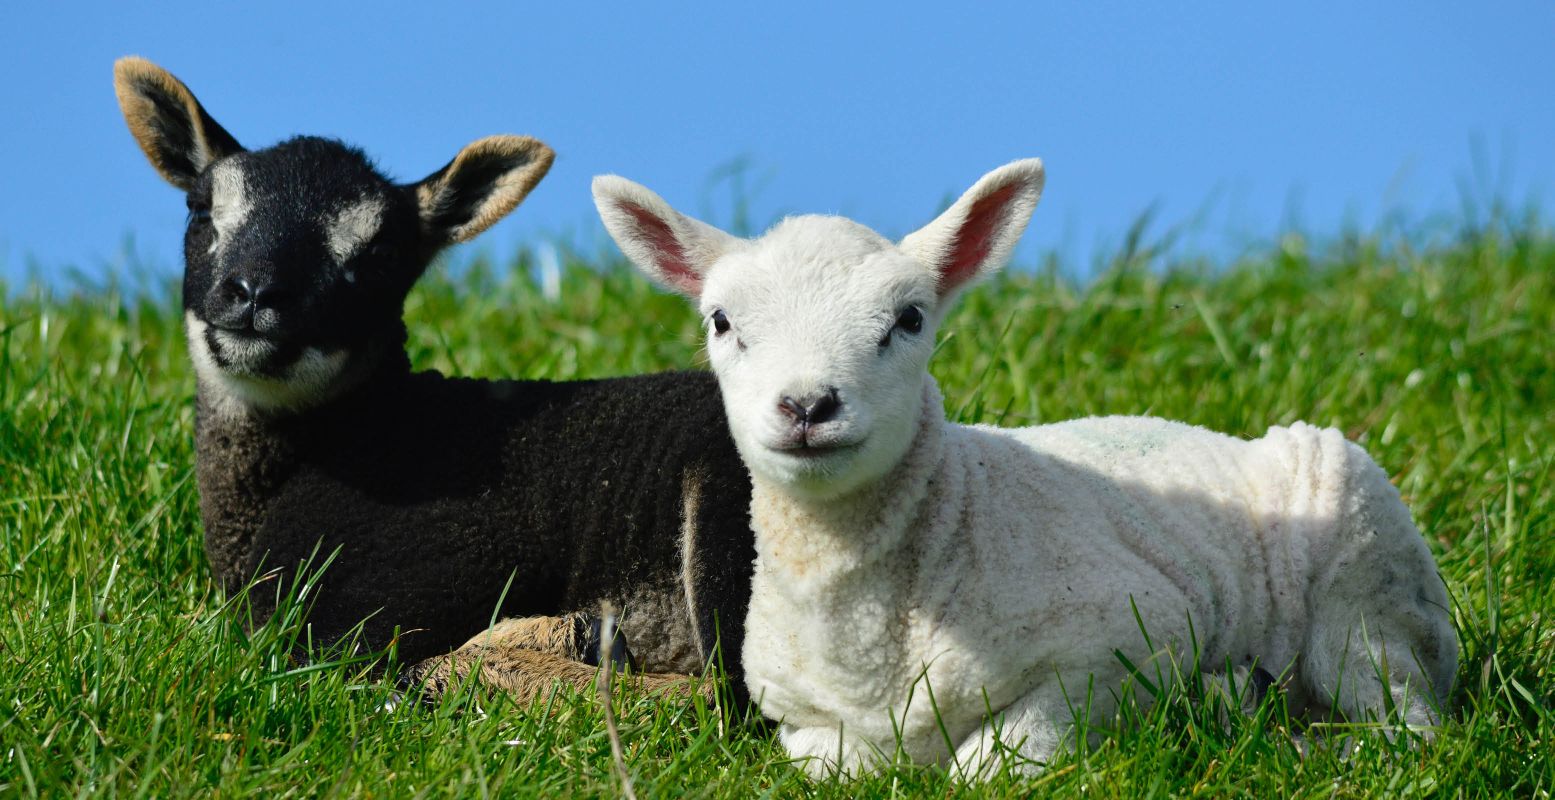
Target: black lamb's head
[{"x": 298, "y": 257}]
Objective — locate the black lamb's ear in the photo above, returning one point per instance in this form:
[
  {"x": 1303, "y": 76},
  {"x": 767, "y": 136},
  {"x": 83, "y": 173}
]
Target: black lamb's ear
[
  {"x": 486, "y": 180},
  {"x": 171, "y": 126}
]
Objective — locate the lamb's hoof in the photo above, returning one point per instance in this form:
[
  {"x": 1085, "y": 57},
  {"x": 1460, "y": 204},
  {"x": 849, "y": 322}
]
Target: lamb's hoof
[
  {"x": 414, "y": 689},
  {"x": 589, "y": 630},
  {"x": 1261, "y": 682},
  {"x": 395, "y": 700},
  {"x": 412, "y": 686}
]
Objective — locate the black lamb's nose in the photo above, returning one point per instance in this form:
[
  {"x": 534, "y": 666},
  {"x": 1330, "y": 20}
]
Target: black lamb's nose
[
  {"x": 812, "y": 409},
  {"x": 239, "y": 291},
  {"x": 243, "y": 291},
  {"x": 270, "y": 295},
  {"x": 242, "y": 298}
]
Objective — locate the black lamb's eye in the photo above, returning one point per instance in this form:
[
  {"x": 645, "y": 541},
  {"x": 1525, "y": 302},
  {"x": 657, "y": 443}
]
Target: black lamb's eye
[
  {"x": 910, "y": 320},
  {"x": 198, "y": 211},
  {"x": 720, "y": 322}
]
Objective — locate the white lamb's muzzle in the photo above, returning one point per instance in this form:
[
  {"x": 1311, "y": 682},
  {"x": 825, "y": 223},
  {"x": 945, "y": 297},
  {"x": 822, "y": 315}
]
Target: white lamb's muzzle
[
  {"x": 857, "y": 446},
  {"x": 846, "y": 430},
  {"x": 820, "y": 472},
  {"x": 816, "y": 457}
]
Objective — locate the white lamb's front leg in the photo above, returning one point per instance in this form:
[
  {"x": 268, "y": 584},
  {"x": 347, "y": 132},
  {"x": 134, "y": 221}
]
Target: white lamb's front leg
[
  {"x": 823, "y": 751},
  {"x": 1031, "y": 730}
]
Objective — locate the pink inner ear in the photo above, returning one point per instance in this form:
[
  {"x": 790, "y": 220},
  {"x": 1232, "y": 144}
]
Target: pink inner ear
[
  {"x": 975, "y": 238},
  {"x": 668, "y": 254}
]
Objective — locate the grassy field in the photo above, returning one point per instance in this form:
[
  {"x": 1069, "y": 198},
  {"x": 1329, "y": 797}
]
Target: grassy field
[{"x": 120, "y": 673}]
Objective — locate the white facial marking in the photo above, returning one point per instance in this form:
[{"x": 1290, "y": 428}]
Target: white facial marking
[
  {"x": 353, "y": 227},
  {"x": 312, "y": 379},
  {"x": 230, "y": 205}
]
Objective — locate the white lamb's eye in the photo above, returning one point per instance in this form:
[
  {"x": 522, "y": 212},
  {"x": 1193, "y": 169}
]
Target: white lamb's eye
[
  {"x": 909, "y": 321},
  {"x": 720, "y": 322}
]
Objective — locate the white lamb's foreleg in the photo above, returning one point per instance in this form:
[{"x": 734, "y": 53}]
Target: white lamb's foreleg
[
  {"x": 1027, "y": 733},
  {"x": 823, "y": 751}
]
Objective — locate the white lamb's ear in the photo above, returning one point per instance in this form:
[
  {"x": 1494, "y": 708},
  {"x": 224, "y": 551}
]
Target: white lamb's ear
[
  {"x": 668, "y": 246},
  {"x": 486, "y": 180},
  {"x": 976, "y": 234}
]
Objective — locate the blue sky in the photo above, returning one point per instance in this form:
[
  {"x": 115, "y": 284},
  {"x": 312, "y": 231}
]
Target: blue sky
[{"x": 1245, "y": 118}]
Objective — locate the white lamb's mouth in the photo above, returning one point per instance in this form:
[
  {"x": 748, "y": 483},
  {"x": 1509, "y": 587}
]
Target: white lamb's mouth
[{"x": 816, "y": 451}]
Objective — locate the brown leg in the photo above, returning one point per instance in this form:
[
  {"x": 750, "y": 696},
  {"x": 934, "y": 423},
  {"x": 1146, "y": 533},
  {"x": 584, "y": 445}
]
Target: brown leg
[
  {"x": 563, "y": 636},
  {"x": 525, "y": 656}
]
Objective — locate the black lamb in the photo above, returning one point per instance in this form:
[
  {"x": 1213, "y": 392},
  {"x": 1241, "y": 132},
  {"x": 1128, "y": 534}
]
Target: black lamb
[{"x": 313, "y": 434}]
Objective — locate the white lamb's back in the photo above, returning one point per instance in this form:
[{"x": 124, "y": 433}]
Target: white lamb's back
[
  {"x": 1235, "y": 524},
  {"x": 1301, "y": 469}
]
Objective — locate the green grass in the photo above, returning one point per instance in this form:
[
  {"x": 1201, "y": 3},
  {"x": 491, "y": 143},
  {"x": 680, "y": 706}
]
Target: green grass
[{"x": 120, "y": 673}]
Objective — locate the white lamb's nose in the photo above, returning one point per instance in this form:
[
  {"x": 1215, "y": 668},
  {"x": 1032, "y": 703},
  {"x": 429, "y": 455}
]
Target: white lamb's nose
[{"x": 812, "y": 408}]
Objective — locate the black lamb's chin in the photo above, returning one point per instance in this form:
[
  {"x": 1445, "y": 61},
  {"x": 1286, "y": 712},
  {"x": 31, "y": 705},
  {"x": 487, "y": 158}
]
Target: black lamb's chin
[{"x": 252, "y": 356}]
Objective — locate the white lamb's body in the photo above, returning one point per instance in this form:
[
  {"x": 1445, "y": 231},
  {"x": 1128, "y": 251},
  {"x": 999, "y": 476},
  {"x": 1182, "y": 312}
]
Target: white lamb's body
[
  {"x": 948, "y": 586},
  {"x": 1011, "y": 561}
]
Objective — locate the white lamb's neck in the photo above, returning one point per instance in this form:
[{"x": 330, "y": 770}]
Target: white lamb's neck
[{"x": 815, "y": 539}]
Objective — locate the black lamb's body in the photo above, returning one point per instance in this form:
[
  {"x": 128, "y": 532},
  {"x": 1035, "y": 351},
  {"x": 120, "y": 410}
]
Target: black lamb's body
[{"x": 437, "y": 490}]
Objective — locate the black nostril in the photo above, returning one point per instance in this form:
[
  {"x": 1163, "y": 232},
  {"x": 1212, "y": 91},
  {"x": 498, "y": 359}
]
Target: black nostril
[
  {"x": 811, "y": 412},
  {"x": 824, "y": 408},
  {"x": 791, "y": 409},
  {"x": 238, "y": 290},
  {"x": 248, "y": 292},
  {"x": 271, "y": 295}
]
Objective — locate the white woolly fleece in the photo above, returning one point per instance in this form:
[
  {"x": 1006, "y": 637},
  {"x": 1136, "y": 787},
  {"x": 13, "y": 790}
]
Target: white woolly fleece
[{"x": 1004, "y": 566}]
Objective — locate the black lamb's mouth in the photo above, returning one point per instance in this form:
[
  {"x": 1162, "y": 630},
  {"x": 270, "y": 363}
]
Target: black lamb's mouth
[{"x": 243, "y": 352}]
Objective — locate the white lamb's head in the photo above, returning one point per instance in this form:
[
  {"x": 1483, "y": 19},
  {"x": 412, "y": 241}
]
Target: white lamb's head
[{"x": 820, "y": 330}]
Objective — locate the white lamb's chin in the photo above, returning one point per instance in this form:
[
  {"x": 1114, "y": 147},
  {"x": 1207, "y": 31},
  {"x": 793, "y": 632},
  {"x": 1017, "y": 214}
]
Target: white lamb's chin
[
  {"x": 775, "y": 467},
  {"x": 818, "y": 477}
]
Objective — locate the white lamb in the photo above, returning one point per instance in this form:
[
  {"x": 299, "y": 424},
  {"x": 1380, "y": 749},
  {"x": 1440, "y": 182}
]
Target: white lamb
[{"x": 1000, "y": 569}]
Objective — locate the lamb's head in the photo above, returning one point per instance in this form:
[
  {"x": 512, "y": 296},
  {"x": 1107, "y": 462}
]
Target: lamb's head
[
  {"x": 298, "y": 257},
  {"x": 820, "y": 330}
]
